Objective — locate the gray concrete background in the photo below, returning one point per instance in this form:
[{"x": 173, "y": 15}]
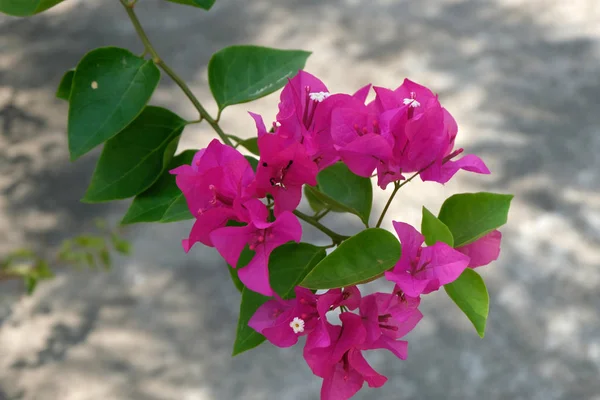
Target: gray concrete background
[{"x": 522, "y": 79}]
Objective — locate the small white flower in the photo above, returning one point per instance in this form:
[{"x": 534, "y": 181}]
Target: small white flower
[
  {"x": 297, "y": 325},
  {"x": 319, "y": 96},
  {"x": 413, "y": 103},
  {"x": 94, "y": 85}
]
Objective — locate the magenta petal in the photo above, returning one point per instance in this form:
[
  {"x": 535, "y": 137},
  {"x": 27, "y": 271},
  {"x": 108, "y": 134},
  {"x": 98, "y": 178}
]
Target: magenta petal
[
  {"x": 370, "y": 314},
  {"x": 260, "y": 124},
  {"x": 255, "y": 275},
  {"x": 255, "y": 211},
  {"x": 364, "y": 154},
  {"x": 351, "y": 298},
  {"x": 287, "y": 228},
  {"x": 230, "y": 242},
  {"x": 276, "y": 329},
  {"x": 205, "y": 224},
  {"x": 409, "y": 284},
  {"x": 358, "y": 362},
  {"x": 484, "y": 250},
  {"x": 339, "y": 384},
  {"x": 286, "y": 199},
  {"x": 398, "y": 347},
  {"x": 410, "y": 239},
  {"x": 353, "y": 334},
  {"x": 362, "y": 93},
  {"x": 446, "y": 263},
  {"x": 408, "y": 324},
  {"x": 445, "y": 172}
]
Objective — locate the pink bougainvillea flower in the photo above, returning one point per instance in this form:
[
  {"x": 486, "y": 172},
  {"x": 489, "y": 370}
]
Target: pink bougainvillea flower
[
  {"x": 299, "y": 101},
  {"x": 423, "y": 133},
  {"x": 282, "y": 170},
  {"x": 357, "y": 138},
  {"x": 213, "y": 185},
  {"x": 484, "y": 250},
  {"x": 282, "y": 322},
  {"x": 349, "y": 298},
  {"x": 262, "y": 238},
  {"x": 422, "y": 270},
  {"x": 341, "y": 364},
  {"x": 388, "y": 317}
]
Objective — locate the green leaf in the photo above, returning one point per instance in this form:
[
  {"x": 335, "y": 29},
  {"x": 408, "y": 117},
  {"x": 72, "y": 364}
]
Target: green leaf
[
  {"x": 247, "y": 338},
  {"x": 238, "y": 74},
  {"x": 245, "y": 257},
  {"x": 111, "y": 87},
  {"x": 64, "y": 88},
  {"x": 471, "y": 296},
  {"x": 152, "y": 205},
  {"x": 251, "y": 145},
  {"x": 253, "y": 162},
  {"x": 362, "y": 257},
  {"x": 30, "y": 284},
  {"x": 470, "y": 216},
  {"x": 121, "y": 245},
  {"x": 289, "y": 264},
  {"x": 105, "y": 258},
  {"x": 235, "y": 279},
  {"x": 205, "y": 4},
  {"x": 89, "y": 242},
  {"x": 24, "y": 8},
  {"x": 315, "y": 204},
  {"x": 177, "y": 211},
  {"x": 134, "y": 159},
  {"x": 343, "y": 191},
  {"x": 435, "y": 230}
]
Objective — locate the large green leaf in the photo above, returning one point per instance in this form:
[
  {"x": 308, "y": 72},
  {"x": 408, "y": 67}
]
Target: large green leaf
[
  {"x": 110, "y": 89},
  {"x": 177, "y": 211},
  {"x": 435, "y": 230},
  {"x": 471, "y": 296},
  {"x": 205, "y": 4},
  {"x": 247, "y": 338},
  {"x": 314, "y": 203},
  {"x": 238, "y": 74},
  {"x": 65, "y": 85},
  {"x": 251, "y": 145},
  {"x": 343, "y": 191},
  {"x": 288, "y": 265},
  {"x": 253, "y": 162},
  {"x": 358, "y": 259},
  {"x": 24, "y": 8},
  {"x": 470, "y": 216},
  {"x": 151, "y": 205},
  {"x": 134, "y": 159}
]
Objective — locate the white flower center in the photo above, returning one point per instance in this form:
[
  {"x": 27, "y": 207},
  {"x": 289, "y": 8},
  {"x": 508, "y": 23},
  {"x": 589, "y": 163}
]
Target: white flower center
[
  {"x": 297, "y": 325},
  {"x": 319, "y": 96},
  {"x": 412, "y": 101}
]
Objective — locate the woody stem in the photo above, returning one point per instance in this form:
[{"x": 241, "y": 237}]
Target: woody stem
[{"x": 129, "y": 5}]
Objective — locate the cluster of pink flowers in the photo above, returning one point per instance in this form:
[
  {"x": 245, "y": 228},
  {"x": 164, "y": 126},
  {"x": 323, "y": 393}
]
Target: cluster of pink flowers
[
  {"x": 334, "y": 352},
  {"x": 399, "y": 132}
]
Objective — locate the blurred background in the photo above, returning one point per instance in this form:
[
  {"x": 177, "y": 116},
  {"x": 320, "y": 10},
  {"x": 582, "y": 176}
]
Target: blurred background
[{"x": 521, "y": 77}]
